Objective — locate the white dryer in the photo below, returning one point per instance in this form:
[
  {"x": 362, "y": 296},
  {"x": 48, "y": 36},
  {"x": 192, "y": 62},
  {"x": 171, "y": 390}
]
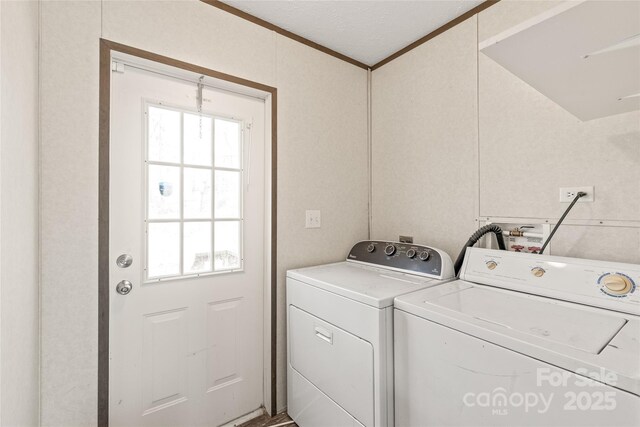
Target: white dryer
[
  {"x": 340, "y": 331},
  {"x": 521, "y": 340}
]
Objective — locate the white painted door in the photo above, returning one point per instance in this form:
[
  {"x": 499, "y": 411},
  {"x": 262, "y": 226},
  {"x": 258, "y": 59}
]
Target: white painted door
[{"x": 187, "y": 199}]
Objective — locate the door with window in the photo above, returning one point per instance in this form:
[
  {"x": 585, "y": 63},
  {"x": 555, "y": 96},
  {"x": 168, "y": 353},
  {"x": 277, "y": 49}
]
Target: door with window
[{"x": 186, "y": 244}]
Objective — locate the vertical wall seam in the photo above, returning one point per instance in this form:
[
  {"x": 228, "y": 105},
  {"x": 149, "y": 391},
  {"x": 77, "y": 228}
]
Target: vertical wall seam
[
  {"x": 39, "y": 154},
  {"x": 478, "y": 163},
  {"x": 1, "y": 423},
  {"x": 369, "y": 154}
]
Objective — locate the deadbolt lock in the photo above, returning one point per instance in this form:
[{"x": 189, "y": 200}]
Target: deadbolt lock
[{"x": 124, "y": 261}]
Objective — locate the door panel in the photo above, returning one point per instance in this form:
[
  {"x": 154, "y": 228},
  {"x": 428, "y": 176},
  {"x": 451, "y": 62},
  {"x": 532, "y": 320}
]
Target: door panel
[
  {"x": 164, "y": 354},
  {"x": 222, "y": 328},
  {"x": 186, "y": 344}
]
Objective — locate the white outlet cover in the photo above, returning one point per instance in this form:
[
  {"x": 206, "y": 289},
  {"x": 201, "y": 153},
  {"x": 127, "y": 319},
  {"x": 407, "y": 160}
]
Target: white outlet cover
[
  {"x": 312, "y": 219},
  {"x": 567, "y": 194}
]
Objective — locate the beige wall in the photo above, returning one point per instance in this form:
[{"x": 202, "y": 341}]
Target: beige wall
[
  {"x": 19, "y": 271},
  {"x": 441, "y": 115},
  {"x": 548, "y": 148},
  {"x": 425, "y": 133},
  {"x": 479, "y": 142},
  {"x": 322, "y": 162}
]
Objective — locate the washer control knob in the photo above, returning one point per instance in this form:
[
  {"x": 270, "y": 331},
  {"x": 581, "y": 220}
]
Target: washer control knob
[
  {"x": 538, "y": 271},
  {"x": 424, "y": 255},
  {"x": 411, "y": 253},
  {"x": 371, "y": 247},
  {"x": 491, "y": 265},
  {"x": 617, "y": 284},
  {"x": 389, "y": 250}
]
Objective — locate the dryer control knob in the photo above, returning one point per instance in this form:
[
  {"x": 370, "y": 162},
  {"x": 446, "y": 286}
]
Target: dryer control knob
[
  {"x": 411, "y": 253},
  {"x": 371, "y": 247},
  {"x": 389, "y": 250},
  {"x": 424, "y": 255},
  {"x": 617, "y": 284}
]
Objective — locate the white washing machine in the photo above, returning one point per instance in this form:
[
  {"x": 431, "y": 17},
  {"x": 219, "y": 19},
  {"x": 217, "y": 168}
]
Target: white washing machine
[
  {"x": 340, "y": 331},
  {"x": 521, "y": 340}
]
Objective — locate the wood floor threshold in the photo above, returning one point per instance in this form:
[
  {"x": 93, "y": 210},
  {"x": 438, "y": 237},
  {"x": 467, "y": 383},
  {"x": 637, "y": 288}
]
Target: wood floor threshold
[{"x": 267, "y": 421}]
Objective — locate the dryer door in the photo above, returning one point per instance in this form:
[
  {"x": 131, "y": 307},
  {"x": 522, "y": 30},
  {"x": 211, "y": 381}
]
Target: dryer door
[{"x": 340, "y": 364}]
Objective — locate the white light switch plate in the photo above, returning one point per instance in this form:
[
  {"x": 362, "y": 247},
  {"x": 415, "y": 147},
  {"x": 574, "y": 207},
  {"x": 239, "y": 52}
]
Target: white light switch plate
[{"x": 312, "y": 219}]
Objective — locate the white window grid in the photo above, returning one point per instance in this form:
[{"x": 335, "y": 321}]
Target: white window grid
[{"x": 181, "y": 220}]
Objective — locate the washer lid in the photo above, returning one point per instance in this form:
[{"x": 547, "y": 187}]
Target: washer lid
[
  {"x": 568, "y": 335},
  {"x": 373, "y": 286},
  {"x": 583, "y": 330}
]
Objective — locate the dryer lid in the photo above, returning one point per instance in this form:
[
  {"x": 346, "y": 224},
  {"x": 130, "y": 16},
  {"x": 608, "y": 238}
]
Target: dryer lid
[{"x": 373, "y": 286}]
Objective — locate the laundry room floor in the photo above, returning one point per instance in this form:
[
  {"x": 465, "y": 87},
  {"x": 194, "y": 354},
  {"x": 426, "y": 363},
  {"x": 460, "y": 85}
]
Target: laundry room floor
[{"x": 267, "y": 421}]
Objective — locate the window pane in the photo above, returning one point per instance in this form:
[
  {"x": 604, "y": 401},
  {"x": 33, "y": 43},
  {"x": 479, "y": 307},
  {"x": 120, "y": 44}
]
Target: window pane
[
  {"x": 197, "y": 140},
  {"x": 164, "y": 249},
  {"x": 227, "y": 194},
  {"x": 227, "y": 245},
  {"x": 197, "y": 247},
  {"x": 197, "y": 193},
  {"x": 164, "y": 135},
  {"x": 227, "y": 143},
  {"x": 164, "y": 192}
]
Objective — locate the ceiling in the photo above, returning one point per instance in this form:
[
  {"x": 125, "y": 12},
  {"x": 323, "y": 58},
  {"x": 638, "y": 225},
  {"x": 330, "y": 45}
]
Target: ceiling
[{"x": 365, "y": 30}]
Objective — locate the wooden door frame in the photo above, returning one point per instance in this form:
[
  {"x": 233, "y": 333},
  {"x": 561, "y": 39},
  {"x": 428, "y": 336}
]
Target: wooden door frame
[{"x": 107, "y": 47}]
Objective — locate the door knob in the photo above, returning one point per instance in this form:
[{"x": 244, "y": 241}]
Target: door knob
[
  {"x": 124, "y": 261},
  {"x": 124, "y": 287}
]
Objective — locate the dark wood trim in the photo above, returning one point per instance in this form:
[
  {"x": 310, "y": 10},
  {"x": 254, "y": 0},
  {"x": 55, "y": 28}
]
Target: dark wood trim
[
  {"x": 274, "y": 247},
  {"x": 103, "y": 234},
  {"x": 268, "y": 25},
  {"x": 445, "y": 27},
  {"x": 106, "y": 47},
  {"x": 185, "y": 66}
]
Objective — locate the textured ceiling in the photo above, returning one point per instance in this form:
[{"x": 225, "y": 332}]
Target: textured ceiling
[{"x": 365, "y": 30}]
